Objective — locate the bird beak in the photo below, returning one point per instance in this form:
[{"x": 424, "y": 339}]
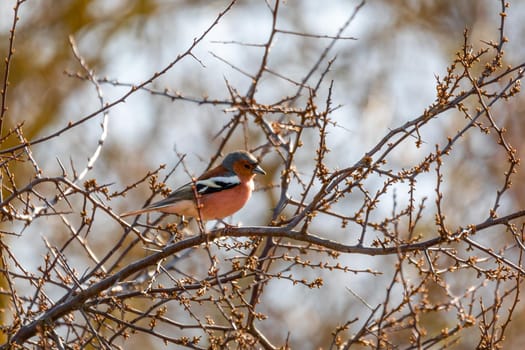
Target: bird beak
[{"x": 259, "y": 170}]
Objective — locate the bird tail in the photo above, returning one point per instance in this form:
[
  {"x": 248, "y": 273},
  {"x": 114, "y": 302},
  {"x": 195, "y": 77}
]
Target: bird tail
[{"x": 135, "y": 212}]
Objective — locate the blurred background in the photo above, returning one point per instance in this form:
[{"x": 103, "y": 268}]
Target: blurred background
[{"x": 382, "y": 79}]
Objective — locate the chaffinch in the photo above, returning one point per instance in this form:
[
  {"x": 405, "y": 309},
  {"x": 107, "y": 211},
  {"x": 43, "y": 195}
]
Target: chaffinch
[{"x": 221, "y": 191}]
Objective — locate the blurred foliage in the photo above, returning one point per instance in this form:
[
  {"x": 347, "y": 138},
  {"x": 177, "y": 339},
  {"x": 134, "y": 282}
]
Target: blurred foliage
[{"x": 41, "y": 95}]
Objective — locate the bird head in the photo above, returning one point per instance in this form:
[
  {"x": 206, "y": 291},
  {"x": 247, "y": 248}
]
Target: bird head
[{"x": 243, "y": 163}]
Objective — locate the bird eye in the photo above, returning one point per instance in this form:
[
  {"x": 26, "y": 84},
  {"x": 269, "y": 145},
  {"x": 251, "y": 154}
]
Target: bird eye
[{"x": 247, "y": 166}]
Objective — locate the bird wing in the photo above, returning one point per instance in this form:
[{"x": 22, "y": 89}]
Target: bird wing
[
  {"x": 216, "y": 184},
  {"x": 203, "y": 187},
  {"x": 216, "y": 180}
]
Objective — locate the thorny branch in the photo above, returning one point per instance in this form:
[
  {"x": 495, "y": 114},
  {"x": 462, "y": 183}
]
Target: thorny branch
[{"x": 221, "y": 302}]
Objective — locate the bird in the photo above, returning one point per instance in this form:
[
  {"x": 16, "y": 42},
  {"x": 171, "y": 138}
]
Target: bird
[{"x": 216, "y": 194}]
